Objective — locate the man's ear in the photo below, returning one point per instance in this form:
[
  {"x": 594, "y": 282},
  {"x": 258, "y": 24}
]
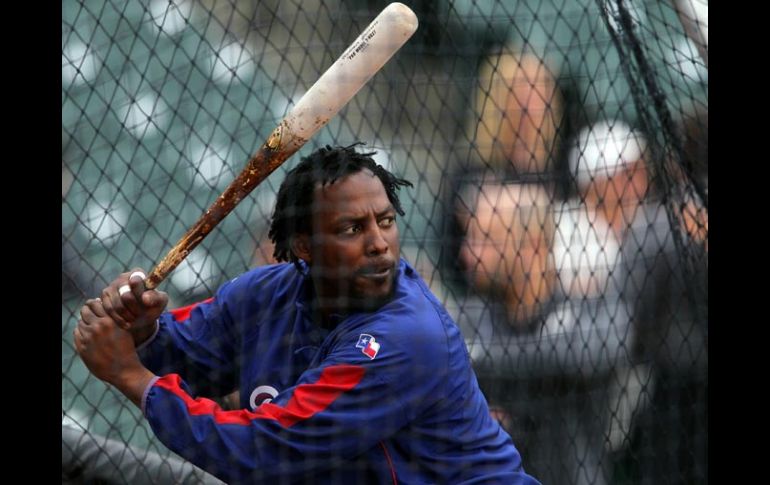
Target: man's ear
[{"x": 300, "y": 246}]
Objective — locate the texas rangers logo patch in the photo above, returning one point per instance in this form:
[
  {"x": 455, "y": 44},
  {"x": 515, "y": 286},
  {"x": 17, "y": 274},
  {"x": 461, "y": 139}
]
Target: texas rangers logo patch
[{"x": 368, "y": 345}]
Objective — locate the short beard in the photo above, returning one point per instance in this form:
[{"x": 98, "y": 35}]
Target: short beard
[
  {"x": 348, "y": 302},
  {"x": 356, "y": 303}
]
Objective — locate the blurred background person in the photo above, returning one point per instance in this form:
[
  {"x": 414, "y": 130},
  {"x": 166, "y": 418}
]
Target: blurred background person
[
  {"x": 661, "y": 281},
  {"x": 695, "y": 141},
  {"x": 668, "y": 287},
  {"x": 512, "y": 134},
  {"x": 516, "y": 114},
  {"x": 607, "y": 161},
  {"x": 611, "y": 173},
  {"x": 543, "y": 357}
]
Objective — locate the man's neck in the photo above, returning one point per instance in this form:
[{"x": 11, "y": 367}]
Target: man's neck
[{"x": 329, "y": 310}]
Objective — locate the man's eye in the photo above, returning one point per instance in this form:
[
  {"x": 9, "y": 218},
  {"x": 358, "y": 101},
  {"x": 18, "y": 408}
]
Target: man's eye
[
  {"x": 387, "y": 221},
  {"x": 350, "y": 230}
]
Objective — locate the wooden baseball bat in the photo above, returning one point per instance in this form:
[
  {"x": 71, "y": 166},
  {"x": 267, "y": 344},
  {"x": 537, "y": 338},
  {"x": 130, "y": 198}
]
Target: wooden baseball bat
[{"x": 360, "y": 61}]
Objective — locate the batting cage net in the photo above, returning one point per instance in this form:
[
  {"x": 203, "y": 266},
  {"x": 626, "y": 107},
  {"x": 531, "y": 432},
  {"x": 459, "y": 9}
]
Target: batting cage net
[{"x": 559, "y": 155}]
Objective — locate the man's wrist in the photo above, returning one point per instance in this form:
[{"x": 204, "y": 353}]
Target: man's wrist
[
  {"x": 144, "y": 334},
  {"x": 132, "y": 383}
]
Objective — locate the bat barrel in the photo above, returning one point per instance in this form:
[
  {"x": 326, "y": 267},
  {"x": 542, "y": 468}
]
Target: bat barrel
[{"x": 360, "y": 61}]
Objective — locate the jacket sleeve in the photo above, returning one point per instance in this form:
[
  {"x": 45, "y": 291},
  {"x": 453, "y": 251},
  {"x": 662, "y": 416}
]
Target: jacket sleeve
[
  {"x": 361, "y": 393},
  {"x": 197, "y": 341}
]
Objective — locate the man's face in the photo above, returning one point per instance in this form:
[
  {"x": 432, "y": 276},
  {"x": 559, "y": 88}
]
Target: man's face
[
  {"x": 619, "y": 196},
  {"x": 354, "y": 248},
  {"x": 506, "y": 249},
  {"x": 500, "y": 248}
]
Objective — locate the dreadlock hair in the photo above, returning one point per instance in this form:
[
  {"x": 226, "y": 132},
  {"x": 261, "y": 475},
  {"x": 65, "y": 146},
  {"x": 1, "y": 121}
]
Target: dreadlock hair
[{"x": 294, "y": 205}]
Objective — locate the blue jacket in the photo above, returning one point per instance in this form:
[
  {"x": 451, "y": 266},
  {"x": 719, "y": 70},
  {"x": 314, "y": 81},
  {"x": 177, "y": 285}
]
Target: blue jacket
[{"x": 384, "y": 397}]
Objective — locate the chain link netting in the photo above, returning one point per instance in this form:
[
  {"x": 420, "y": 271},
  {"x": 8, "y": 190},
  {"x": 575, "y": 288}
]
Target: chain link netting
[{"x": 560, "y": 208}]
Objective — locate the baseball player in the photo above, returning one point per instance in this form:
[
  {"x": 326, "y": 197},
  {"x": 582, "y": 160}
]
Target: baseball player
[{"x": 349, "y": 369}]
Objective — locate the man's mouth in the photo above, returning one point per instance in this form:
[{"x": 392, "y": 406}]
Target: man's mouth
[{"x": 376, "y": 270}]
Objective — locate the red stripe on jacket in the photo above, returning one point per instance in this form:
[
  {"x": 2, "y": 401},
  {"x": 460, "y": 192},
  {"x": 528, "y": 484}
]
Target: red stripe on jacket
[
  {"x": 183, "y": 313},
  {"x": 307, "y": 400}
]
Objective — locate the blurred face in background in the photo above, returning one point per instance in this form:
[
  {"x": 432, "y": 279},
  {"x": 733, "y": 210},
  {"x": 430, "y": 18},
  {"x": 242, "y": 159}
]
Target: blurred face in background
[
  {"x": 506, "y": 249},
  {"x": 517, "y": 110},
  {"x": 619, "y": 196},
  {"x": 608, "y": 163}
]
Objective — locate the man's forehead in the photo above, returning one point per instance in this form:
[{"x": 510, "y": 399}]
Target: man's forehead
[
  {"x": 353, "y": 193},
  {"x": 361, "y": 177},
  {"x": 337, "y": 211}
]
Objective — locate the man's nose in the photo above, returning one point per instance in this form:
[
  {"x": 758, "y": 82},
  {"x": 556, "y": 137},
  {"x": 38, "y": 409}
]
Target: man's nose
[{"x": 375, "y": 241}]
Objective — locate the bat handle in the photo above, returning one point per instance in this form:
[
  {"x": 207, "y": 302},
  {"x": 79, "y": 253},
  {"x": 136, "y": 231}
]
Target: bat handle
[
  {"x": 172, "y": 259},
  {"x": 155, "y": 277}
]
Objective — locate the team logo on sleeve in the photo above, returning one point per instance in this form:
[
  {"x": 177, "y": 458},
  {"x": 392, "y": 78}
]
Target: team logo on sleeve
[
  {"x": 368, "y": 345},
  {"x": 261, "y": 395}
]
